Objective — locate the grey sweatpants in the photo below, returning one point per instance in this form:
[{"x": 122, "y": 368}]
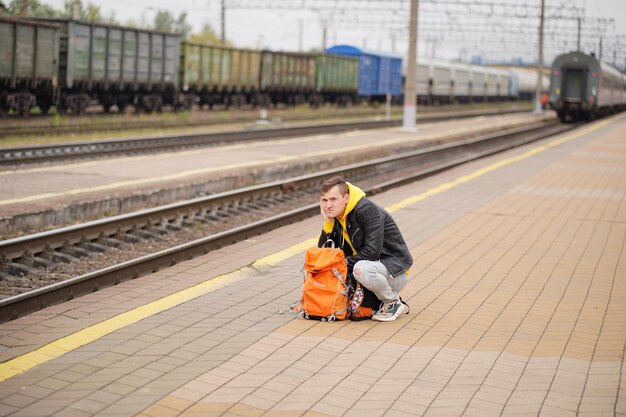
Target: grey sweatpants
[{"x": 374, "y": 276}]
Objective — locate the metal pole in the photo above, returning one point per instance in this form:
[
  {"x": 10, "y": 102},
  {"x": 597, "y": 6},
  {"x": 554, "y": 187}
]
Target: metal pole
[
  {"x": 578, "y": 39},
  {"x": 223, "y": 22},
  {"x": 538, "y": 89},
  {"x": 388, "y": 107},
  {"x": 410, "y": 89},
  {"x": 300, "y": 30}
]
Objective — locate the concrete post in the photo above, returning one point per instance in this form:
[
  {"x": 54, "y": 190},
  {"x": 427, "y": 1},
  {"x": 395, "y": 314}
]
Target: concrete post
[
  {"x": 410, "y": 89},
  {"x": 539, "y": 88}
]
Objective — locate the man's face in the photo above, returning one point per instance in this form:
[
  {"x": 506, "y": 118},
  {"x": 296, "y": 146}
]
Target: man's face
[{"x": 333, "y": 203}]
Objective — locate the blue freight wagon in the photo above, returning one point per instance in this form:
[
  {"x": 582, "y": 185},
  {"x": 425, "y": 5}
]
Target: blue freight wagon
[{"x": 380, "y": 73}]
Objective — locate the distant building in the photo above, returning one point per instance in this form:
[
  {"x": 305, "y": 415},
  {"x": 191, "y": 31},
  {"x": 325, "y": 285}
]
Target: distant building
[{"x": 476, "y": 60}]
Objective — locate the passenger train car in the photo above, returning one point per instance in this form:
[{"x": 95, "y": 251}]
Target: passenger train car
[
  {"x": 583, "y": 88},
  {"x": 73, "y": 64}
]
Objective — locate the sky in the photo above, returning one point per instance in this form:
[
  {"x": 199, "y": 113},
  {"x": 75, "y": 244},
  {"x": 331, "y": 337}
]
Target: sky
[{"x": 295, "y": 30}]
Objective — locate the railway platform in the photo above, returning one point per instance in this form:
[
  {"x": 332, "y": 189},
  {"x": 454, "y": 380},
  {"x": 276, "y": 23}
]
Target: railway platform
[{"x": 517, "y": 295}]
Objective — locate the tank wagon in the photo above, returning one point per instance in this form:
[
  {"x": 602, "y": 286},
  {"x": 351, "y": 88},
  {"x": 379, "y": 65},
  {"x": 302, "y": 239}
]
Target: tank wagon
[
  {"x": 583, "y": 88},
  {"x": 29, "y": 53}
]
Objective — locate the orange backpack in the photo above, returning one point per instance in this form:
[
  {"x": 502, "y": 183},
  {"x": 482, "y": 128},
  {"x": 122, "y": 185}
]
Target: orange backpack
[{"x": 325, "y": 290}]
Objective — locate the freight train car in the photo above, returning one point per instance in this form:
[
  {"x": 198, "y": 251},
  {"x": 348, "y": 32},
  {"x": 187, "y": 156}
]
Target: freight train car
[
  {"x": 287, "y": 77},
  {"x": 462, "y": 83},
  {"x": 380, "y": 73},
  {"x": 583, "y": 88},
  {"x": 71, "y": 64},
  {"x": 214, "y": 75},
  {"x": 337, "y": 79},
  {"x": 29, "y": 53},
  {"x": 442, "y": 82},
  {"x": 523, "y": 82},
  {"x": 116, "y": 66}
]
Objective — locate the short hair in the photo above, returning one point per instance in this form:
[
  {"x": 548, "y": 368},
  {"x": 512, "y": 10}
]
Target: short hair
[{"x": 333, "y": 181}]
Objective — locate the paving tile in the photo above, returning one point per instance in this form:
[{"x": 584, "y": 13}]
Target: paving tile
[
  {"x": 45, "y": 410},
  {"x": 160, "y": 411},
  {"x": 18, "y": 400},
  {"x": 73, "y": 412},
  {"x": 87, "y": 405}
]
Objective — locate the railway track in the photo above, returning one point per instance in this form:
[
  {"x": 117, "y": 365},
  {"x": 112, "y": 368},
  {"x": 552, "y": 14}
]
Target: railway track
[
  {"x": 48, "y": 125},
  {"x": 264, "y": 206},
  {"x": 64, "y": 151},
  {"x": 111, "y": 123}
]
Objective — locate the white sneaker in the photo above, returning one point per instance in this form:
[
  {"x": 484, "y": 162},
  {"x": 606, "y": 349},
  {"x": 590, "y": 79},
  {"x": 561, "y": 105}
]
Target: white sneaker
[{"x": 391, "y": 310}]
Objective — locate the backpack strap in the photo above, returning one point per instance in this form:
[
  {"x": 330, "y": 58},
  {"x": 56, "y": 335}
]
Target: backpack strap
[
  {"x": 332, "y": 244},
  {"x": 295, "y": 307}
]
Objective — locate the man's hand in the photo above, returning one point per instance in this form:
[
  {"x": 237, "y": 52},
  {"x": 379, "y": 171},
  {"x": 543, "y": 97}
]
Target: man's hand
[{"x": 324, "y": 216}]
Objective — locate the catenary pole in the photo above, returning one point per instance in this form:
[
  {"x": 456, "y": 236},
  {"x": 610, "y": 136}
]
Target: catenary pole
[
  {"x": 538, "y": 89},
  {"x": 410, "y": 89},
  {"x": 223, "y": 23},
  {"x": 578, "y": 37}
]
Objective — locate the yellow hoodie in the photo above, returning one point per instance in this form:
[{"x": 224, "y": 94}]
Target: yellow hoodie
[{"x": 355, "y": 195}]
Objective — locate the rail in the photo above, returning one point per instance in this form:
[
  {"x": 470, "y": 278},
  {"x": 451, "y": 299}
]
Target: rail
[
  {"x": 404, "y": 168},
  {"x": 48, "y": 153}
]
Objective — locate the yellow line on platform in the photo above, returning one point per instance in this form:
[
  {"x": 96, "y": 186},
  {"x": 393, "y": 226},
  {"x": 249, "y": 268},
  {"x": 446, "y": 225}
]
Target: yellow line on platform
[
  {"x": 500, "y": 164},
  {"x": 80, "y": 338}
]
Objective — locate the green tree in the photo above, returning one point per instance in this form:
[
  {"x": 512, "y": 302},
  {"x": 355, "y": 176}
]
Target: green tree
[
  {"x": 207, "y": 35},
  {"x": 164, "y": 21},
  {"x": 182, "y": 26},
  {"x": 89, "y": 13},
  {"x": 34, "y": 9}
]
